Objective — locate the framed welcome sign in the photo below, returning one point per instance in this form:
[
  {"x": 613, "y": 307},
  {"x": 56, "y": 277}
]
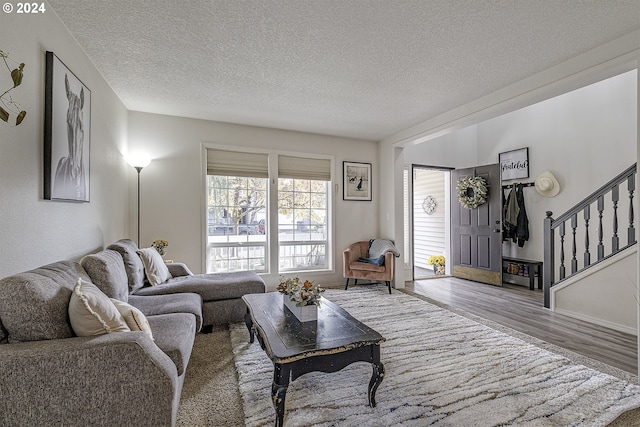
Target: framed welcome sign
[{"x": 514, "y": 164}]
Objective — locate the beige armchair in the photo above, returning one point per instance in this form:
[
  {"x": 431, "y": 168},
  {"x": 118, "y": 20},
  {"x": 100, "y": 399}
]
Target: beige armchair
[{"x": 354, "y": 269}]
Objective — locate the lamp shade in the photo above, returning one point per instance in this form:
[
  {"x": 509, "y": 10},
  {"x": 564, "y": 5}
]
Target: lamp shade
[{"x": 138, "y": 160}]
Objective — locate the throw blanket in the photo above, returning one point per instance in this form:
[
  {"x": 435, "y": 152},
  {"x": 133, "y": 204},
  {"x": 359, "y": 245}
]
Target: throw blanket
[{"x": 379, "y": 247}]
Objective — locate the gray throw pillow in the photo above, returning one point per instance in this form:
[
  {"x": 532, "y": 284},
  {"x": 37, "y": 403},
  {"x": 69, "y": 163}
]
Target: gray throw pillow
[
  {"x": 154, "y": 266},
  {"x": 106, "y": 269},
  {"x": 127, "y": 248}
]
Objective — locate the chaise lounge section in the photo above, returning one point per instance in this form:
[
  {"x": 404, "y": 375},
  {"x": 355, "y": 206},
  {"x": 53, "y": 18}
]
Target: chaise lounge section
[{"x": 221, "y": 293}]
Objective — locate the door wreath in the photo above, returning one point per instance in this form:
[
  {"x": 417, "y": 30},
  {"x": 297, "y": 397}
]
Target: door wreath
[{"x": 472, "y": 191}]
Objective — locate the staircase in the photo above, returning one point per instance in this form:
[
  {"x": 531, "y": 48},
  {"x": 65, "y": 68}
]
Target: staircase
[{"x": 567, "y": 238}]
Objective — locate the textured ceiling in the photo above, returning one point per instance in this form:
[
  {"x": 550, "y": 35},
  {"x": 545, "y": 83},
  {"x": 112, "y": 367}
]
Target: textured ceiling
[{"x": 356, "y": 68}]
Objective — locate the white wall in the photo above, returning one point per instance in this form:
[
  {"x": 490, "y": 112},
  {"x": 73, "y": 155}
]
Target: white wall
[
  {"x": 608, "y": 60},
  {"x": 456, "y": 150},
  {"x": 616, "y": 305},
  {"x": 585, "y": 138},
  {"x": 33, "y": 231},
  {"x": 172, "y": 193}
]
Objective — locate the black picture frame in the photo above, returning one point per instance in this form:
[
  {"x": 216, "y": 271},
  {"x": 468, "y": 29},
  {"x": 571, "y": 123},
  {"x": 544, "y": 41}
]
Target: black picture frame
[
  {"x": 67, "y": 134},
  {"x": 356, "y": 183},
  {"x": 514, "y": 164}
]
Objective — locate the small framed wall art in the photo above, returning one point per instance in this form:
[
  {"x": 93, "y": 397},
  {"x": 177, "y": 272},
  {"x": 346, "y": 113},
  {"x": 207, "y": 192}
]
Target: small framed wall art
[
  {"x": 514, "y": 164},
  {"x": 357, "y": 181},
  {"x": 67, "y": 133}
]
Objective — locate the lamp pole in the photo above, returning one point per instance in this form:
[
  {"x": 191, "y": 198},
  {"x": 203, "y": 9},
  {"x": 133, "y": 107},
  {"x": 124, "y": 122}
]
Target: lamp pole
[
  {"x": 139, "y": 169},
  {"x": 139, "y": 162}
]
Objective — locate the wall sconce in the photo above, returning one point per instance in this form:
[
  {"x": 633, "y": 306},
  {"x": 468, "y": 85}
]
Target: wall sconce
[{"x": 139, "y": 162}]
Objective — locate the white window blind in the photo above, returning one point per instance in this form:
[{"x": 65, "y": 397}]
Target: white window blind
[
  {"x": 237, "y": 163},
  {"x": 304, "y": 168}
]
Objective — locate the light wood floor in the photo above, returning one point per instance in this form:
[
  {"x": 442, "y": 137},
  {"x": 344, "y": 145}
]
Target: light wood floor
[{"x": 522, "y": 309}]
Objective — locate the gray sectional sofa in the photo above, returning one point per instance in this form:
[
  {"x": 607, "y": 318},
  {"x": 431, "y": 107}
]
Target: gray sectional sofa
[
  {"x": 221, "y": 292},
  {"x": 50, "y": 376}
]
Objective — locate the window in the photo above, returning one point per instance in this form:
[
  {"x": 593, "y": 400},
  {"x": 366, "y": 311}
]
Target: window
[
  {"x": 302, "y": 219},
  {"x": 238, "y": 202},
  {"x": 236, "y": 232},
  {"x": 236, "y": 211}
]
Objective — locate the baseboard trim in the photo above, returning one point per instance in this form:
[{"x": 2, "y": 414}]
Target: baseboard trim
[{"x": 599, "y": 322}]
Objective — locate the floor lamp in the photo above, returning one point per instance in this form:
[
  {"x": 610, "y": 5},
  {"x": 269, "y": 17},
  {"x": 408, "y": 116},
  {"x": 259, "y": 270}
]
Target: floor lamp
[{"x": 139, "y": 162}]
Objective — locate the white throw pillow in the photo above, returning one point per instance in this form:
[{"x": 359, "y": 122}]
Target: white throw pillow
[
  {"x": 154, "y": 266},
  {"x": 136, "y": 320},
  {"x": 92, "y": 313}
]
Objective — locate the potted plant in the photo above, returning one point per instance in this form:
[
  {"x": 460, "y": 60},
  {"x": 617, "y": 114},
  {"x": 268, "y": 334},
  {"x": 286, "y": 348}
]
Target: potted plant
[
  {"x": 438, "y": 262},
  {"x": 301, "y": 298},
  {"x": 160, "y": 246}
]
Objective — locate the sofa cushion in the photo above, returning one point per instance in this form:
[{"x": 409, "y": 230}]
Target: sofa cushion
[
  {"x": 106, "y": 269},
  {"x": 91, "y": 312},
  {"x": 152, "y": 305},
  {"x": 132, "y": 262},
  {"x": 174, "y": 335},
  {"x": 154, "y": 267},
  {"x": 34, "y": 304},
  {"x": 134, "y": 318},
  {"x": 211, "y": 287}
]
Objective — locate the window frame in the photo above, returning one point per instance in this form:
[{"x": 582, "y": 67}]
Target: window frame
[{"x": 272, "y": 243}]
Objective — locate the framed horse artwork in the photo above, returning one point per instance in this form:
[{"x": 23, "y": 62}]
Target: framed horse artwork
[{"x": 67, "y": 134}]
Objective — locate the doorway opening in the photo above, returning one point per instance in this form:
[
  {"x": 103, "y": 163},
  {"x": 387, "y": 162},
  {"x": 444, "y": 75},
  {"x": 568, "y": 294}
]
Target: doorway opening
[{"x": 430, "y": 220}]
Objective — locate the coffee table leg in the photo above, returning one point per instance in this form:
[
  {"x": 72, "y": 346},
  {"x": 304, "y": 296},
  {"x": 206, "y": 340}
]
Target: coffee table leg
[
  {"x": 279, "y": 387},
  {"x": 249, "y": 323},
  {"x": 376, "y": 377}
]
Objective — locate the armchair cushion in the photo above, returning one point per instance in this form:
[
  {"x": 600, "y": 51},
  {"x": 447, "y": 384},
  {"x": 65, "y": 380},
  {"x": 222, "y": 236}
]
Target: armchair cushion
[{"x": 359, "y": 266}]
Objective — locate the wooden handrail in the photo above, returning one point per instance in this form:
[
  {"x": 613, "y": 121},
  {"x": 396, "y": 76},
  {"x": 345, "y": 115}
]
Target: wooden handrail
[
  {"x": 630, "y": 171},
  {"x": 572, "y": 215}
]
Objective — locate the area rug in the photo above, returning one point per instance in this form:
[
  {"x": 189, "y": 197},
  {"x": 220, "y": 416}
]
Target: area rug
[{"x": 442, "y": 369}]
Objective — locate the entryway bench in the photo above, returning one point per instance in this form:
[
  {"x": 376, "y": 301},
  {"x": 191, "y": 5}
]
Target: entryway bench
[{"x": 533, "y": 267}]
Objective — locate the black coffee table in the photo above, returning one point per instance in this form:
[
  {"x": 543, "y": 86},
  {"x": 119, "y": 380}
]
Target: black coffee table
[{"x": 329, "y": 344}]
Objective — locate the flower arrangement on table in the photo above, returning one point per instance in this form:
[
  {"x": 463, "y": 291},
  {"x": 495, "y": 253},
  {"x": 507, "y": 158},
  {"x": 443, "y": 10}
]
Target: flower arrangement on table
[
  {"x": 302, "y": 293},
  {"x": 160, "y": 246}
]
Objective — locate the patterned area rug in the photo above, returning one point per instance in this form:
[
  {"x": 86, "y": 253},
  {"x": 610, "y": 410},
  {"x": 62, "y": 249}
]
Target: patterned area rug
[{"x": 442, "y": 369}]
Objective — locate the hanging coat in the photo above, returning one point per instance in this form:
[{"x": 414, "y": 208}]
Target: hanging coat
[
  {"x": 510, "y": 213},
  {"x": 522, "y": 227}
]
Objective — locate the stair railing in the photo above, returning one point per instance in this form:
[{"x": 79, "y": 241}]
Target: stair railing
[{"x": 570, "y": 229}]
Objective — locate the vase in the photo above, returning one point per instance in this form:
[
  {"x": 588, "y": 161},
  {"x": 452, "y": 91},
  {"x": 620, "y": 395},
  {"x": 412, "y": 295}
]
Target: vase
[
  {"x": 438, "y": 270},
  {"x": 306, "y": 313}
]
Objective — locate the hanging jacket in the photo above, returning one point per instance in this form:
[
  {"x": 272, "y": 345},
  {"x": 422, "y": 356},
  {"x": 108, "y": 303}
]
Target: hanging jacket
[
  {"x": 510, "y": 215},
  {"x": 522, "y": 227}
]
